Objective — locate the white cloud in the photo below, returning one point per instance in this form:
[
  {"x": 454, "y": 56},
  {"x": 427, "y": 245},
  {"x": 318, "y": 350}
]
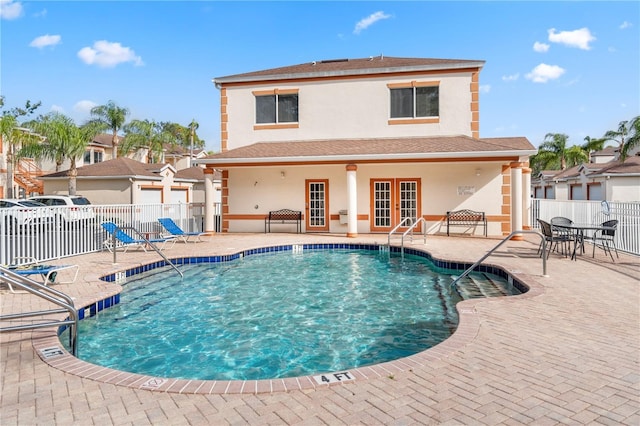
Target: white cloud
[
  {"x": 45, "y": 40},
  {"x": 540, "y": 47},
  {"x": 576, "y": 38},
  {"x": 543, "y": 73},
  {"x": 84, "y": 107},
  {"x": 40, "y": 14},
  {"x": 365, "y": 23},
  {"x": 107, "y": 55},
  {"x": 485, "y": 88},
  {"x": 57, "y": 108},
  {"x": 512, "y": 77},
  {"x": 626, "y": 25},
  {"x": 10, "y": 9}
]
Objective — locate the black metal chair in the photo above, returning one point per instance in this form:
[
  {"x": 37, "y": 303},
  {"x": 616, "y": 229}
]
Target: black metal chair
[
  {"x": 552, "y": 238},
  {"x": 568, "y": 234},
  {"x": 605, "y": 238}
]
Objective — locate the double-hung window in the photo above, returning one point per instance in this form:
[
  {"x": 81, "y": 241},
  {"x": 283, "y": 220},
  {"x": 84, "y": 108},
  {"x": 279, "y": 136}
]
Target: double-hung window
[
  {"x": 416, "y": 101},
  {"x": 274, "y": 107}
]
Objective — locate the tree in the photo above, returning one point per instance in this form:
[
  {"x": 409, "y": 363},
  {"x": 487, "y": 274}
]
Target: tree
[
  {"x": 627, "y": 136},
  {"x": 591, "y": 145},
  {"x": 552, "y": 153},
  {"x": 63, "y": 140},
  {"x": 148, "y": 134},
  {"x": 14, "y": 136},
  {"x": 110, "y": 117}
]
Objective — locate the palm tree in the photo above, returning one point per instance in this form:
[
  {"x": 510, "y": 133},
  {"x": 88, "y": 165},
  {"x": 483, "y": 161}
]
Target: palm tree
[
  {"x": 552, "y": 153},
  {"x": 148, "y": 134},
  {"x": 110, "y": 117},
  {"x": 592, "y": 145},
  {"x": 627, "y": 136},
  {"x": 64, "y": 140}
]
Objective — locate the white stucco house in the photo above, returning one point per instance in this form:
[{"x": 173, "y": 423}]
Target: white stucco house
[
  {"x": 597, "y": 181},
  {"x": 126, "y": 181},
  {"x": 377, "y": 139}
]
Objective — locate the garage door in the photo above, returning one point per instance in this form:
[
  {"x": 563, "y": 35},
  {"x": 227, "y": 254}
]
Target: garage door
[
  {"x": 179, "y": 196},
  {"x": 151, "y": 196}
]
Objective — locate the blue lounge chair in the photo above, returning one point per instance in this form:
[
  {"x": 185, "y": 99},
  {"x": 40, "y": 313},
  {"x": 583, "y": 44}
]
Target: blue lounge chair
[
  {"x": 48, "y": 273},
  {"x": 174, "y": 230},
  {"x": 126, "y": 241}
]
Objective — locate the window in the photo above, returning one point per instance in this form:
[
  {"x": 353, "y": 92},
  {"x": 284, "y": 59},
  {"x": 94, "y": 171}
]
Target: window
[
  {"x": 87, "y": 157},
  {"x": 97, "y": 156},
  {"x": 278, "y": 107},
  {"x": 417, "y": 100}
]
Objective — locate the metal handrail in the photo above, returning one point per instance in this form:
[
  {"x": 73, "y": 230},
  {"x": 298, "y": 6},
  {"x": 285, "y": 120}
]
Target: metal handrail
[
  {"x": 146, "y": 240},
  {"x": 413, "y": 225},
  {"x": 52, "y": 295},
  {"x": 472, "y": 267}
]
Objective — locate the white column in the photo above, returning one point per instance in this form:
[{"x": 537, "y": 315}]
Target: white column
[
  {"x": 135, "y": 191},
  {"x": 516, "y": 199},
  {"x": 209, "y": 226},
  {"x": 352, "y": 194},
  {"x": 526, "y": 198}
]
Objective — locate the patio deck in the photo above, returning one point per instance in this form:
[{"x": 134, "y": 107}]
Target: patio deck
[{"x": 567, "y": 352}]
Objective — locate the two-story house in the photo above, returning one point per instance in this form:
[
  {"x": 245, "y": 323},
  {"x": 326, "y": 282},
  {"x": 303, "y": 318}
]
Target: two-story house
[{"x": 358, "y": 145}]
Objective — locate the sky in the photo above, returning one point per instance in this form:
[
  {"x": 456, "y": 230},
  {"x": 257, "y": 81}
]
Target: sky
[{"x": 551, "y": 67}]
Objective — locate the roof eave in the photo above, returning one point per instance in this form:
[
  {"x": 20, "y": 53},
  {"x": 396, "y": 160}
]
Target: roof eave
[
  {"x": 136, "y": 177},
  {"x": 343, "y": 73},
  {"x": 368, "y": 157}
]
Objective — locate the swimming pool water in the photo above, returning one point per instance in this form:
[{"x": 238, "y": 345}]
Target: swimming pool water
[{"x": 274, "y": 315}]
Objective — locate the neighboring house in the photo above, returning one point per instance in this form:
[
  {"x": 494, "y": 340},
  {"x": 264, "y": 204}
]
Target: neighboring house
[
  {"x": 359, "y": 145},
  {"x": 605, "y": 155},
  {"x": 126, "y": 181},
  {"x": 611, "y": 181},
  {"x": 28, "y": 171}
]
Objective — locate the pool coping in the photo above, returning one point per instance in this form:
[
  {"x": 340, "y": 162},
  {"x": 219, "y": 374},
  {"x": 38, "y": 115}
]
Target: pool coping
[{"x": 50, "y": 350}]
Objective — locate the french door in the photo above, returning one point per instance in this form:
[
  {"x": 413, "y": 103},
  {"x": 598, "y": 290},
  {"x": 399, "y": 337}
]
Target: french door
[
  {"x": 393, "y": 200},
  {"x": 317, "y": 205}
]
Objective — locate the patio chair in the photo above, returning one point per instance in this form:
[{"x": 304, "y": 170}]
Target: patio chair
[
  {"x": 552, "y": 238},
  {"x": 126, "y": 241},
  {"x": 175, "y": 231},
  {"x": 605, "y": 238},
  {"x": 568, "y": 234},
  {"x": 49, "y": 274}
]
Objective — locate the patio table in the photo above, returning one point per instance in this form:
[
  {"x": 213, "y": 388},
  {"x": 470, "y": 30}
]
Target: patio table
[{"x": 579, "y": 230}]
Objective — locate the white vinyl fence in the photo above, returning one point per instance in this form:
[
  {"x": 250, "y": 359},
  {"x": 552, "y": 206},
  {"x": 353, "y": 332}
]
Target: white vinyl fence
[
  {"x": 46, "y": 233},
  {"x": 627, "y": 237}
]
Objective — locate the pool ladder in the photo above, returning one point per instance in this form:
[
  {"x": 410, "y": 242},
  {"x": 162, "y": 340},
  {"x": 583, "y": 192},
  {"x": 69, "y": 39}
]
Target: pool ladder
[
  {"x": 52, "y": 295},
  {"x": 490, "y": 252},
  {"x": 149, "y": 243},
  {"x": 412, "y": 225}
]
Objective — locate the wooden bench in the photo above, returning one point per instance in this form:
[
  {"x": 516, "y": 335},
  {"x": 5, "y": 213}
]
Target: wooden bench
[
  {"x": 466, "y": 218},
  {"x": 283, "y": 216}
]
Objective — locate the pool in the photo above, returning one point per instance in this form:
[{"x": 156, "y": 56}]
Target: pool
[{"x": 282, "y": 312}]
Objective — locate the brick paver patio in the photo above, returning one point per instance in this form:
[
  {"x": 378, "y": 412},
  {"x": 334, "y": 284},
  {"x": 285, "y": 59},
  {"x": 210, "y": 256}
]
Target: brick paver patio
[{"x": 566, "y": 352}]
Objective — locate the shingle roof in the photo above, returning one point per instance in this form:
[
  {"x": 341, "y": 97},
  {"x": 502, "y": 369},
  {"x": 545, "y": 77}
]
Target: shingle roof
[
  {"x": 105, "y": 139},
  {"x": 386, "y": 148},
  {"x": 195, "y": 172},
  {"x": 119, "y": 167},
  {"x": 362, "y": 66},
  {"x": 631, "y": 165}
]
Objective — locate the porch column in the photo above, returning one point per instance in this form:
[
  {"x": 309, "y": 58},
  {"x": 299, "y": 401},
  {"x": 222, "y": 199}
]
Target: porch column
[
  {"x": 209, "y": 226},
  {"x": 352, "y": 194},
  {"x": 526, "y": 198},
  {"x": 135, "y": 191},
  {"x": 516, "y": 199}
]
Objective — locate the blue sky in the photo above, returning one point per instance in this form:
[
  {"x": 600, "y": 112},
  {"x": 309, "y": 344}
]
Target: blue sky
[{"x": 551, "y": 67}]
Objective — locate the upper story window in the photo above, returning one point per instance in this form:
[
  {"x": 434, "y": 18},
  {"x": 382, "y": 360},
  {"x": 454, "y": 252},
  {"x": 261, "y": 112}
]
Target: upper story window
[
  {"x": 275, "y": 107},
  {"x": 417, "y": 101}
]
